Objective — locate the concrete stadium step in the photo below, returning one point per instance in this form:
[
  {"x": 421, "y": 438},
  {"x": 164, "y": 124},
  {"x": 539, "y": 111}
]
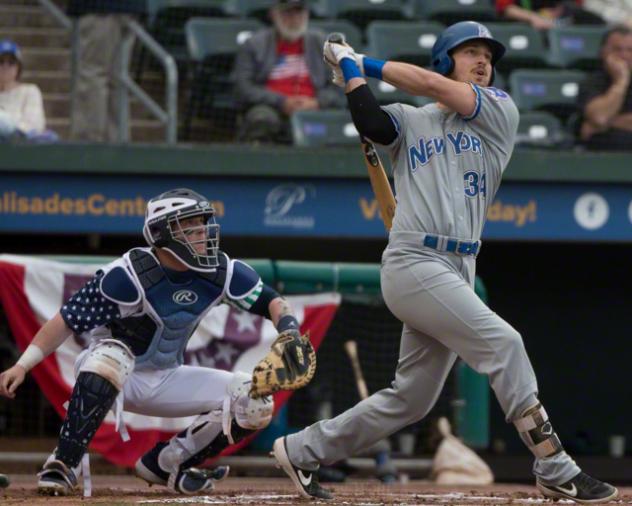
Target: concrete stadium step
[
  {"x": 25, "y": 15},
  {"x": 38, "y": 37},
  {"x": 47, "y": 58},
  {"x": 57, "y": 105},
  {"x": 49, "y": 81},
  {"x": 142, "y": 130}
]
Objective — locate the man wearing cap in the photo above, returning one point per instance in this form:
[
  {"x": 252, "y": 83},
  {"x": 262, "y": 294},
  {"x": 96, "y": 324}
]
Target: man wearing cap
[
  {"x": 280, "y": 71},
  {"x": 21, "y": 107}
]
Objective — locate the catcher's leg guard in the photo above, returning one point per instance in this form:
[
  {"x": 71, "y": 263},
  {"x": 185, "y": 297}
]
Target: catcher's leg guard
[
  {"x": 100, "y": 379},
  {"x": 249, "y": 413},
  {"x": 537, "y": 432},
  {"x": 172, "y": 463}
]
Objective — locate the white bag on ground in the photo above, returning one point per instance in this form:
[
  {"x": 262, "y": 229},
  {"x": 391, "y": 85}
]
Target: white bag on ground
[{"x": 455, "y": 464}]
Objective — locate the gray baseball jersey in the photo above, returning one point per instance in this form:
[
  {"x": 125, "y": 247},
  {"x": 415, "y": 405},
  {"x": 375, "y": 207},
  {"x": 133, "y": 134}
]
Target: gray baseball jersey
[{"x": 447, "y": 167}]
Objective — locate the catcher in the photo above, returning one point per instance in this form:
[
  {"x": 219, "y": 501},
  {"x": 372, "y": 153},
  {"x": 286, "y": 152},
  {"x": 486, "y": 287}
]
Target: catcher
[{"x": 138, "y": 313}]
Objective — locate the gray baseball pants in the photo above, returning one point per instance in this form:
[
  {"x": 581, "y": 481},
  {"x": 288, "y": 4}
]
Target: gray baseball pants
[{"x": 432, "y": 294}]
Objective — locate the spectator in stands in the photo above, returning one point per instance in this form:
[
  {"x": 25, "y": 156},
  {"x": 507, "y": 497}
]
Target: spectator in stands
[
  {"x": 101, "y": 28},
  {"x": 545, "y": 14},
  {"x": 613, "y": 12},
  {"x": 21, "y": 106},
  {"x": 605, "y": 97},
  {"x": 280, "y": 71}
]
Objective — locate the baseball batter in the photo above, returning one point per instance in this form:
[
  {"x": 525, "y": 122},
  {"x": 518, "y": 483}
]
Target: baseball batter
[
  {"x": 138, "y": 313},
  {"x": 448, "y": 159}
]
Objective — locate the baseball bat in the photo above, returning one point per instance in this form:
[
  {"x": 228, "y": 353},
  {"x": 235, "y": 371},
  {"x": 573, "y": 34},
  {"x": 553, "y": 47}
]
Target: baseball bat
[
  {"x": 377, "y": 175},
  {"x": 379, "y": 182},
  {"x": 352, "y": 350}
]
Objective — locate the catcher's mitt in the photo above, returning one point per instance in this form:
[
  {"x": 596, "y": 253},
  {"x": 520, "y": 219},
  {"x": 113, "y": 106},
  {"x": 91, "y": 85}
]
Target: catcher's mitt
[{"x": 290, "y": 364}]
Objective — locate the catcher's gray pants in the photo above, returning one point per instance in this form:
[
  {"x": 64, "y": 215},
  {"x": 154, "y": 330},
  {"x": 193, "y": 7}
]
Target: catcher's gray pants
[{"x": 432, "y": 294}]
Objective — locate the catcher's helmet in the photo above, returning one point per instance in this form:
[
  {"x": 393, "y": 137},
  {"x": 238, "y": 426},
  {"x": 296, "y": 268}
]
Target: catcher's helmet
[
  {"x": 455, "y": 35},
  {"x": 164, "y": 229}
]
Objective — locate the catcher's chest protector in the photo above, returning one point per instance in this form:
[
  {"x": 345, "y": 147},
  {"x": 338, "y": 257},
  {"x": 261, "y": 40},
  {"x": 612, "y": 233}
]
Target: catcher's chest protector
[{"x": 171, "y": 310}]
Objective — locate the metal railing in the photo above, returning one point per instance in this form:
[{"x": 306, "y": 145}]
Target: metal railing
[
  {"x": 167, "y": 115},
  {"x": 62, "y": 20}
]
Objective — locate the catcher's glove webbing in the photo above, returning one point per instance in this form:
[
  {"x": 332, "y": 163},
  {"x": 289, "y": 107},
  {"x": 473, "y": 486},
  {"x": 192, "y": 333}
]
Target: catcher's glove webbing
[{"x": 290, "y": 364}]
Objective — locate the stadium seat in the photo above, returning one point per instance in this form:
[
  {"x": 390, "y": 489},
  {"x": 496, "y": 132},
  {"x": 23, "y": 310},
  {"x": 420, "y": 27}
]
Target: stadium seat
[
  {"x": 525, "y": 47},
  {"x": 402, "y": 40},
  {"x": 555, "y": 90},
  {"x": 450, "y": 11},
  {"x": 540, "y": 129},
  {"x": 248, "y": 8},
  {"x": 576, "y": 46},
  {"x": 323, "y": 128},
  {"x": 165, "y": 22},
  {"x": 351, "y": 32},
  {"x": 212, "y": 45},
  {"x": 388, "y": 94},
  {"x": 360, "y": 12}
]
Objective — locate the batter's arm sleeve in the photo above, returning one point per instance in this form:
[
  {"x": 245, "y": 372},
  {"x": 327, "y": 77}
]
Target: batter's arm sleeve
[
  {"x": 247, "y": 90},
  {"x": 369, "y": 118},
  {"x": 495, "y": 118}
]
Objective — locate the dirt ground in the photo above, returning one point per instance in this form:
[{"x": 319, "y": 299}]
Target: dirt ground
[{"x": 128, "y": 490}]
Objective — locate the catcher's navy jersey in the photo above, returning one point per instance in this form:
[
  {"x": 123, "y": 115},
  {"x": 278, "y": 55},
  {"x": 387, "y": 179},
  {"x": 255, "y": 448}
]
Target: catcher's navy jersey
[{"x": 154, "y": 310}]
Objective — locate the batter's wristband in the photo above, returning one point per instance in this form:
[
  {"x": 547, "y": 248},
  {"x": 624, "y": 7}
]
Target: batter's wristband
[
  {"x": 288, "y": 322},
  {"x": 349, "y": 69},
  {"x": 373, "y": 67},
  {"x": 32, "y": 356}
]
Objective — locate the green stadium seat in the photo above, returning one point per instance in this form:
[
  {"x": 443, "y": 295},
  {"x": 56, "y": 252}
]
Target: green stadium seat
[
  {"x": 166, "y": 20},
  {"x": 540, "y": 129},
  {"x": 360, "y": 12},
  {"x": 450, "y": 11},
  {"x": 323, "y": 128},
  {"x": 555, "y": 90},
  {"x": 402, "y": 40},
  {"x": 576, "y": 46},
  {"x": 388, "y": 94},
  {"x": 212, "y": 45},
  {"x": 208, "y": 37},
  {"x": 248, "y": 8},
  {"x": 351, "y": 32},
  {"x": 525, "y": 47}
]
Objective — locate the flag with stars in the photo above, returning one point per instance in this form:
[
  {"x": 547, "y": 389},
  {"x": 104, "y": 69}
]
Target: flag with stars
[{"x": 32, "y": 290}]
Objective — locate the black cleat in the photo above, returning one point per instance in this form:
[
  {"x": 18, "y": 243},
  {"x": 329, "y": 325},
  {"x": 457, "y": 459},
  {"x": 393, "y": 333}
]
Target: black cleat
[
  {"x": 190, "y": 481},
  {"x": 582, "y": 489},
  {"x": 56, "y": 478},
  {"x": 306, "y": 482}
]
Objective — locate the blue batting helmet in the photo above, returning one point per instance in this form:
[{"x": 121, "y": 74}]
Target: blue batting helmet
[{"x": 455, "y": 35}]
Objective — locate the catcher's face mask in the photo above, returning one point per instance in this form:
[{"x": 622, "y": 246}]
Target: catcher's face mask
[{"x": 183, "y": 223}]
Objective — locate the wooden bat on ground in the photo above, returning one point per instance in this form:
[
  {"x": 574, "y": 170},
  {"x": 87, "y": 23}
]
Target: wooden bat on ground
[
  {"x": 386, "y": 471},
  {"x": 352, "y": 350}
]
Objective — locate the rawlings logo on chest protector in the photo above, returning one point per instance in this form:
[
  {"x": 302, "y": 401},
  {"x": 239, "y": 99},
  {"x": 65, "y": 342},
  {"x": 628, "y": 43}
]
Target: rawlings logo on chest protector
[{"x": 185, "y": 297}]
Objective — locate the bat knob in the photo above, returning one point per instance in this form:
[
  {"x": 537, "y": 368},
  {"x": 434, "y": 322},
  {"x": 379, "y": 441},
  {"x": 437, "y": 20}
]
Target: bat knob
[{"x": 336, "y": 38}]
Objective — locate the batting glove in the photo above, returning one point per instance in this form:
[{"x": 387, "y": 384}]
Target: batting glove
[{"x": 333, "y": 52}]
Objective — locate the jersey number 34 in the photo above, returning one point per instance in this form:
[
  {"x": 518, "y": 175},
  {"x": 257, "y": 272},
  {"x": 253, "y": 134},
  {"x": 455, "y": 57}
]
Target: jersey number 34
[{"x": 474, "y": 183}]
